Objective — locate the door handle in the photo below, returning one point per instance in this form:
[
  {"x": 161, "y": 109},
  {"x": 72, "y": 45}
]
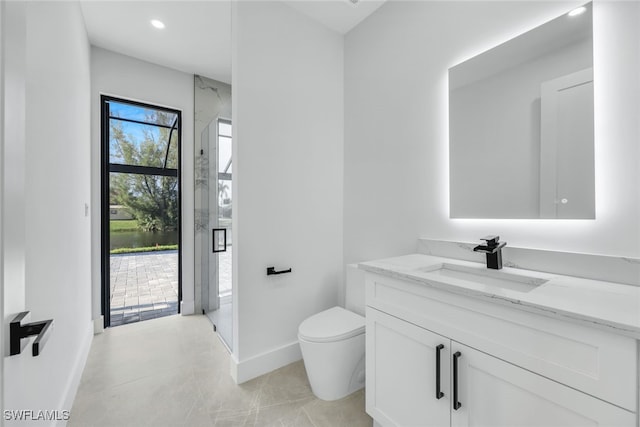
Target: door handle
[
  {"x": 18, "y": 331},
  {"x": 217, "y": 247},
  {"x": 439, "y": 394},
  {"x": 456, "y": 405}
]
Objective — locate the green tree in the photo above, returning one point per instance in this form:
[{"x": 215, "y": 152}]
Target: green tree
[
  {"x": 223, "y": 192},
  {"x": 151, "y": 199}
]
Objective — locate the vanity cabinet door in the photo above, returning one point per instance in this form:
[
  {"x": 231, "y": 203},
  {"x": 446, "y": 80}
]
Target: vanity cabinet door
[
  {"x": 495, "y": 393},
  {"x": 401, "y": 373}
]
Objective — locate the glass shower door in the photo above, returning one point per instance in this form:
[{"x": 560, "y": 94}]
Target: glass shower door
[
  {"x": 217, "y": 257},
  {"x": 223, "y": 221}
]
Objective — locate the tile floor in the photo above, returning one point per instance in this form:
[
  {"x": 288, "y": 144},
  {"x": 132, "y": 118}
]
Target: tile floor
[
  {"x": 174, "y": 371},
  {"x": 143, "y": 286},
  {"x": 223, "y": 319}
]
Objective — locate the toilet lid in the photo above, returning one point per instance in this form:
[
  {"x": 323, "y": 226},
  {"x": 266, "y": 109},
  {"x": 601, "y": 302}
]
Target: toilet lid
[{"x": 334, "y": 324}]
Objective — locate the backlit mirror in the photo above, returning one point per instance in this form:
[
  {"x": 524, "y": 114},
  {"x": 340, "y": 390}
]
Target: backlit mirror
[{"x": 521, "y": 125}]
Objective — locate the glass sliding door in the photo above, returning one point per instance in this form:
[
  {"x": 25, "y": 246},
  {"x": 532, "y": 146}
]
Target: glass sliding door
[{"x": 140, "y": 211}]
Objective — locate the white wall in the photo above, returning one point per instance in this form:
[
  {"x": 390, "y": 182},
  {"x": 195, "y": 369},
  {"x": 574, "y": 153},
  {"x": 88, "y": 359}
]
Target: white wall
[
  {"x": 288, "y": 133},
  {"x": 129, "y": 78},
  {"x": 56, "y": 188},
  {"x": 396, "y": 127}
]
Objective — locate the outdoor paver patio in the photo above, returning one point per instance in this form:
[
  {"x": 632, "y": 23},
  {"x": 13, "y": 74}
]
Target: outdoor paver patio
[
  {"x": 143, "y": 286},
  {"x": 224, "y": 278}
]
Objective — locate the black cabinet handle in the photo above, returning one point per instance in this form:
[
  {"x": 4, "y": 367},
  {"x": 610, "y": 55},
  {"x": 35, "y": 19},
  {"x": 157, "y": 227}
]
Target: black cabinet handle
[
  {"x": 439, "y": 394},
  {"x": 456, "y": 404}
]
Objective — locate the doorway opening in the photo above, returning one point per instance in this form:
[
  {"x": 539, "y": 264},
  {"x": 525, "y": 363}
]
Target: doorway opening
[{"x": 141, "y": 205}]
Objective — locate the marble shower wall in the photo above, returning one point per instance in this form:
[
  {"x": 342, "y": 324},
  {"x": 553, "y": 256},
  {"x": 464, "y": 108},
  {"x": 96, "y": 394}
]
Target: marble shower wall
[{"x": 212, "y": 100}]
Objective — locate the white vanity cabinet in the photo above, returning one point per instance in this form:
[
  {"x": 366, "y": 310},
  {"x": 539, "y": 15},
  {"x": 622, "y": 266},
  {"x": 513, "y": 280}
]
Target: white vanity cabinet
[
  {"x": 401, "y": 373},
  {"x": 508, "y": 367},
  {"x": 492, "y": 392}
]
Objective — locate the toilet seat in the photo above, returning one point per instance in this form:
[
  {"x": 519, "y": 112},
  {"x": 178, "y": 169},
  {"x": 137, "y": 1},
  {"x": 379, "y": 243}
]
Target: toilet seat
[{"x": 334, "y": 324}]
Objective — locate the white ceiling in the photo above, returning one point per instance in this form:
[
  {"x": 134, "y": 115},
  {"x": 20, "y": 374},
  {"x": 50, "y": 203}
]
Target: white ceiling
[
  {"x": 197, "y": 37},
  {"x": 339, "y": 15}
]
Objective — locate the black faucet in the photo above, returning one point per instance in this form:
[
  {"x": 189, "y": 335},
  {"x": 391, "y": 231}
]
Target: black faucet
[{"x": 493, "y": 250}]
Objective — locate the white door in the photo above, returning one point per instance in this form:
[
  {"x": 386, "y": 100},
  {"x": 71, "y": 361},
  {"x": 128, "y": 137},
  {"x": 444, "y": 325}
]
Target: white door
[
  {"x": 402, "y": 373},
  {"x": 495, "y": 393},
  {"x": 567, "y": 180},
  {"x": 12, "y": 201}
]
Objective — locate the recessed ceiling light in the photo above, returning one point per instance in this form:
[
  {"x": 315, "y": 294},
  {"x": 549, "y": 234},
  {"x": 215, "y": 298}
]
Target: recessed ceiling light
[
  {"x": 158, "y": 24},
  {"x": 578, "y": 11}
]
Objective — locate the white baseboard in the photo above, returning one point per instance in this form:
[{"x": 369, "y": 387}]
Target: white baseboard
[
  {"x": 233, "y": 367},
  {"x": 78, "y": 367},
  {"x": 187, "y": 307},
  {"x": 245, "y": 370},
  {"x": 98, "y": 325}
]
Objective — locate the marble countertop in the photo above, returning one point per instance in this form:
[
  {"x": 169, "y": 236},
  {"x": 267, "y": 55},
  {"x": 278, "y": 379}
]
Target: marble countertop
[{"x": 606, "y": 305}]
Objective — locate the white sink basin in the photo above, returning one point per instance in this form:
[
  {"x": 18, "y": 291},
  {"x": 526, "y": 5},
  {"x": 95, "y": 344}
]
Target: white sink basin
[{"x": 485, "y": 276}]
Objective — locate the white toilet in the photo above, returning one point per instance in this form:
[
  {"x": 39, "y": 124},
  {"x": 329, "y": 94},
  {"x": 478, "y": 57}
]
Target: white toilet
[{"x": 333, "y": 342}]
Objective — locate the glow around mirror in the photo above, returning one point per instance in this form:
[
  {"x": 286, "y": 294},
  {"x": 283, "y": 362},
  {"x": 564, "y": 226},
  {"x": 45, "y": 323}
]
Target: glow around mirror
[{"x": 521, "y": 126}]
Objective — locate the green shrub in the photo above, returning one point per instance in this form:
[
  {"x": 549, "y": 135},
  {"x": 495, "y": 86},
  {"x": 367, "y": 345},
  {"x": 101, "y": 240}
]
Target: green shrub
[
  {"x": 147, "y": 249},
  {"x": 116, "y": 225}
]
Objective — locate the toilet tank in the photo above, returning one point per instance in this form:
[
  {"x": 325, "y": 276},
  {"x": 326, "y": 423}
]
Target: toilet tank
[{"x": 354, "y": 289}]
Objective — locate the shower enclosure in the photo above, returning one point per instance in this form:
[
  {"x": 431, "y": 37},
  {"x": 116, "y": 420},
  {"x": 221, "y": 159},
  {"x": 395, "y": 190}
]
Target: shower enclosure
[
  {"x": 215, "y": 151},
  {"x": 213, "y": 196}
]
